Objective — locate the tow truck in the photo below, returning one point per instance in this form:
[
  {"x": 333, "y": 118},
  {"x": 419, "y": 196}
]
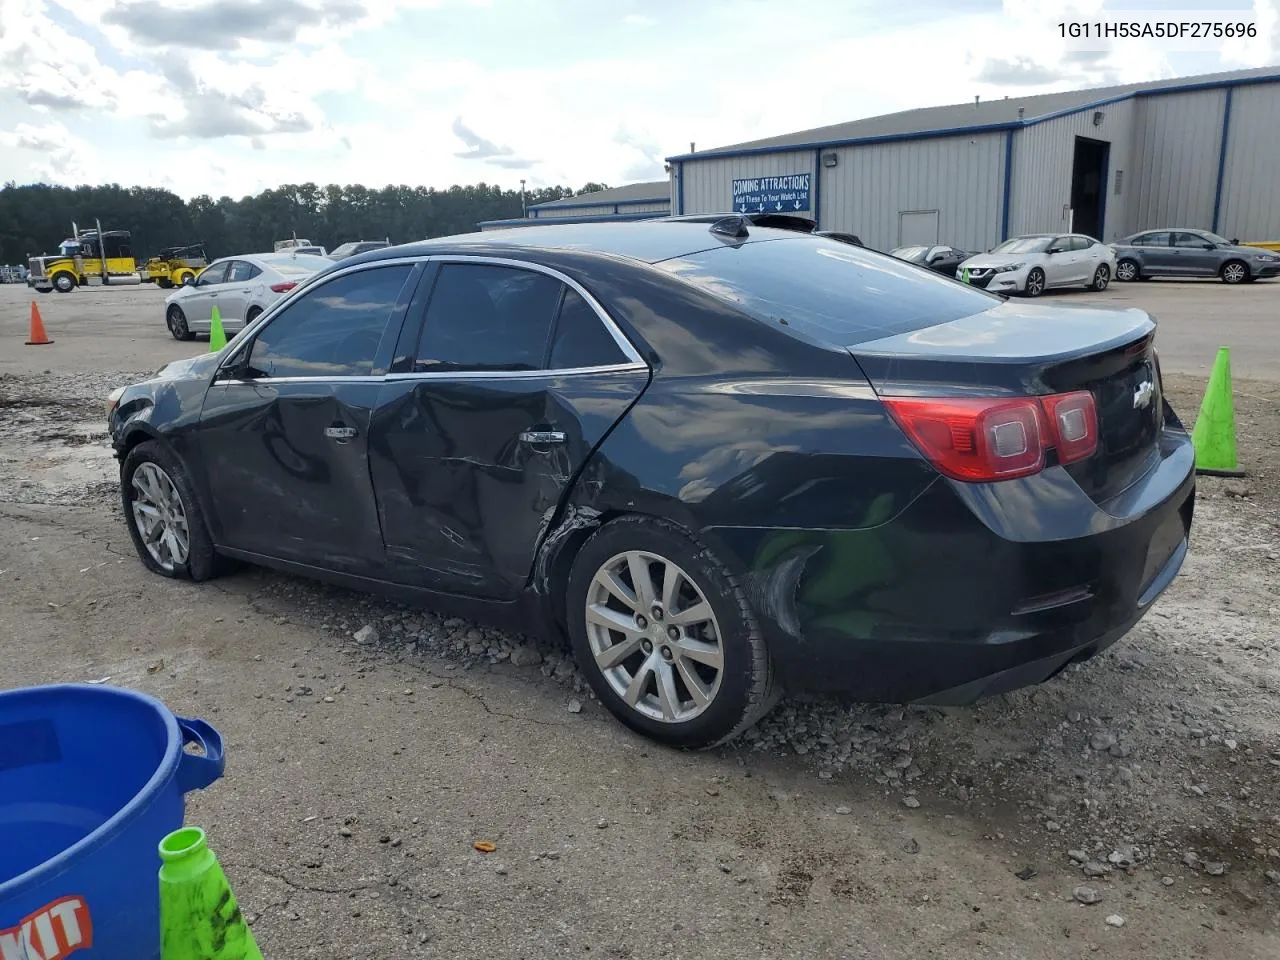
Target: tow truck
[
  {"x": 175, "y": 266},
  {"x": 87, "y": 258}
]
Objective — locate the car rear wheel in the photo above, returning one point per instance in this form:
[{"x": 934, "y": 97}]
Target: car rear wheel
[
  {"x": 1127, "y": 270},
  {"x": 1101, "y": 277},
  {"x": 176, "y": 321},
  {"x": 665, "y": 636},
  {"x": 252, "y": 315},
  {"x": 1233, "y": 271},
  {"x": 164, "y": 519},
  {"x": 164, "y": 283},
  {"x": 1035, "y": 282}
]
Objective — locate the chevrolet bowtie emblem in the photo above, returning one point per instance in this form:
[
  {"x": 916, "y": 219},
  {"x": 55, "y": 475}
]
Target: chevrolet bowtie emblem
[{"x": 1142, "y": 394}]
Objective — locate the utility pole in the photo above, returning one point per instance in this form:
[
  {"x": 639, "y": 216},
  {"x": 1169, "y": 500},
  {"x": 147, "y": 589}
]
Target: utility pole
[{"x": 524, "y": 212}]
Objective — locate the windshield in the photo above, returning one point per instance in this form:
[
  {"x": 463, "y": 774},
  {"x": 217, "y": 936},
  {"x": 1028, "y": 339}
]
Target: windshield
[
  {"x": 1024, "y": 245},
  {"x": 827, "y": 290},
  {"x": 342, "y": 250},
  {"x": 911, "y": 253}
]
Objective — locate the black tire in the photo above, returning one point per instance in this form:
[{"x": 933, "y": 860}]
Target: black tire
[
  {"x": 746, "y": 689},
  {"x": 1127, "y": 270},
  {"x": 176, "y": 321},
  {"x": 1234, "y": 271},
  {"x": 253, "y": 314},
  {"x": 1101, "y": 277},
  {"x": 64, "y": 283},
  {"x": 201, "y": 562},
  {"x": 164, "y": 283},
  {"x": 1035, "y": 282}
]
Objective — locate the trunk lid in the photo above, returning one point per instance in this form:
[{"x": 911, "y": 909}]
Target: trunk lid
[{"x": 1020, "y": 349}]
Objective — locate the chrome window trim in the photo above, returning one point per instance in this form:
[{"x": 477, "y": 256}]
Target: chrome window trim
[
  {"x": 447, "y": 375},
  {"x": 634, "y": 360}
]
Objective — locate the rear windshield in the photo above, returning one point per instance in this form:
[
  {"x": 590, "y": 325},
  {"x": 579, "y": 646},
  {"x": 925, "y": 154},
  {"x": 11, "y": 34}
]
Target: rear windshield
[
  {"x": 827, "y": 290},
  {"x": 302, "y": 264}
]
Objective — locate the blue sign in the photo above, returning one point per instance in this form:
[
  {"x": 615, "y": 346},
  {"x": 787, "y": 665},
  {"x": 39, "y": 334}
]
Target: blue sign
[{"x": 785, "y": 194}]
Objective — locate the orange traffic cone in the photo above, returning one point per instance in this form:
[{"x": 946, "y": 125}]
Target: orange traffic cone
[{"x": 38, "y": 336}]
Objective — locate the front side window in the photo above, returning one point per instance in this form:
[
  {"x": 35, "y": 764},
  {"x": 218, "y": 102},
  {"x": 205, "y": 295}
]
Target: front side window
[
  {"x": 1191, "y": 241},
  {"x": 333, "y": 330},
  {"x": 484, "y": 317},
  {"x": 213, "y": 274}
]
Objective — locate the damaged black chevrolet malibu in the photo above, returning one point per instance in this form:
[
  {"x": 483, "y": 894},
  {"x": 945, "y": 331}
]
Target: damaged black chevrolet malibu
[{"x": 722, "y": 459}]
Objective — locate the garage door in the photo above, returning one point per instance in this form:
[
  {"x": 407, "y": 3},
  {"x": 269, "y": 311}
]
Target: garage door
[{"x": 917, "y": 227}]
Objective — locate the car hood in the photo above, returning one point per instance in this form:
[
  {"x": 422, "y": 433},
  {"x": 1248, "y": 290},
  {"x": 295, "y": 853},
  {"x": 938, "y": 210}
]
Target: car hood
[
  {"x": 997, "y": 259},
  {"x": 198, "y": 367}
]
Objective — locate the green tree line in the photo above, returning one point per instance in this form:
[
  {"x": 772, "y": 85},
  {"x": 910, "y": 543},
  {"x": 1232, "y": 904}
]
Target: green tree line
[{"x": 34, "y": 218}]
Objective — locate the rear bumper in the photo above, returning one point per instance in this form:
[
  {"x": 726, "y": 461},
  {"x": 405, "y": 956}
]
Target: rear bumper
[{"x": 973, "y": 589}]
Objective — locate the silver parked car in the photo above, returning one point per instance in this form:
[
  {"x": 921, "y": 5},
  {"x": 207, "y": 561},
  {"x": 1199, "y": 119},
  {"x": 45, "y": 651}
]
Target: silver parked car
[
  {"x": 240, "y": 287},
  {"x": 1186, "y": 252},
  {"x": 1036, "y": 262}
]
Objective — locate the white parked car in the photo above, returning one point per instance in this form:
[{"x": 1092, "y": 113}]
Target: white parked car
[
  {"x": 1038, "y": 262},
  {"x": 240, "y": 287}
]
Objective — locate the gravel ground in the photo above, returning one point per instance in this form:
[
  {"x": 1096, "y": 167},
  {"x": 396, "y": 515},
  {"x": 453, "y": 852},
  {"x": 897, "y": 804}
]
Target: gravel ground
[{"x": 1131, "y": 806}]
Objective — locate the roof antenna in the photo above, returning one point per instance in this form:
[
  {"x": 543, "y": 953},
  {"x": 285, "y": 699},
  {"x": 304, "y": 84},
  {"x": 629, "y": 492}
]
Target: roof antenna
[
  {"x": 1021, "y": 111},
  {"x": 975, "y": 99},
  {"x": 692, "y": 147}
]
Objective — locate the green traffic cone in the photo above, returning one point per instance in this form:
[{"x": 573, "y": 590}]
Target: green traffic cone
[
  {"x": 217, "y": 336},
  {"x": 964, "y": 275},
  {"x": 1214, "y": 435},
  {"x": 199, "y": 918}
]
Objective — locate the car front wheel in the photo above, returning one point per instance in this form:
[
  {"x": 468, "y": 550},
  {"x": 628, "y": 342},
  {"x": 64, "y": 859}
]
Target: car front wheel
[
  {"x": 1035, "y": 282},
  {"x": 64, "y": 283},
  {"x": 164, "y": 519},
  {"x": 1127, "y": 270},
  {"x": 665, "y": 636},
  {"x": 176, "y": 321},
  {"x": 1101, "y": 277},
  {"x": 1234, "y": 271}
]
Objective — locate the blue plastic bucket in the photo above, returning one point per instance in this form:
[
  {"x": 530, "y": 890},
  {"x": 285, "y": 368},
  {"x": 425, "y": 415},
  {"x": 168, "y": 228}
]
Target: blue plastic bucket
[{"x": 91, "y": 779}]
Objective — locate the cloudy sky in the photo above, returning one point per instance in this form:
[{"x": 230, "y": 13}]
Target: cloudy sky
[{"x": 231, "y": 96}]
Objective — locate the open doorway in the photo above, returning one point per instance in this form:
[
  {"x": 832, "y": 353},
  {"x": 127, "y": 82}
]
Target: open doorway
[{"x": 1089, "y": 186}]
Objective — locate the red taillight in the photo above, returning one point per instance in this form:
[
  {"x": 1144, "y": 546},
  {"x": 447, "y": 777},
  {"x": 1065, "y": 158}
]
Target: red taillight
[
  {"x": 1073, "y": 424},
  {"x": 995, "y": 438},
  {"x": 283, "y": 287}
]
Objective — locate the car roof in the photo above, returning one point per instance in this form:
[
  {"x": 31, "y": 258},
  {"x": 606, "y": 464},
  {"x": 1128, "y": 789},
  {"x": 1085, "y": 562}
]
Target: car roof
[{"x": 645, "y": 241}]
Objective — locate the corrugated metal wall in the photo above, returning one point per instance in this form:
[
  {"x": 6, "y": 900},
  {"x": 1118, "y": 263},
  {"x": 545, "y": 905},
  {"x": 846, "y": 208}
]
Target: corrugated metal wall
[
  {"x": 708, "y": 184},
  {"x": 871, "y": 186},
  {"x": 1174, "y": 170},
  {"x": 1251, "y": 175},
  {"x": 1043, "y": 156}
]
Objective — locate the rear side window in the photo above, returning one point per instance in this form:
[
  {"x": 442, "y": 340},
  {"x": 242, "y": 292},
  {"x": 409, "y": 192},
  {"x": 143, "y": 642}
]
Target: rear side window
[
  {"x": 482, "y": 317},
  {"x": 332, "y": 330},
  {"x": 580, "y": 338},
  {"x": 242, "y": 271},
  {"x": 1152, "y": 240},
  {"x": 829, "y": 291},
  {"x": 1081, "y": 243}
]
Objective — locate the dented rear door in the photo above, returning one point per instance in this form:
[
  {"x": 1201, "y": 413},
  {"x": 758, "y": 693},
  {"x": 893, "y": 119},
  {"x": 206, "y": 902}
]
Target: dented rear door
[{"x": 476, "y": 438}]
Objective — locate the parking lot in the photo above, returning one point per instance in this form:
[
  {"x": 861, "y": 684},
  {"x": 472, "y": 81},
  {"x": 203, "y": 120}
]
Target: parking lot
[{"x": 1130, "y": 807}]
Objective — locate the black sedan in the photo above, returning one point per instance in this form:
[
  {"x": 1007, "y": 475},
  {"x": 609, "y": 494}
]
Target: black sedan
[
  {"x": 721, "y": 458},
  {"x": 938, "y": 257}
]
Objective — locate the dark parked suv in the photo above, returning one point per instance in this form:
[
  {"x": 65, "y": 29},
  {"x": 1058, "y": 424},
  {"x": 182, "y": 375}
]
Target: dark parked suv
[
  {"x": 722, "y": 458},
  {"x": 1184, "y": 252}
]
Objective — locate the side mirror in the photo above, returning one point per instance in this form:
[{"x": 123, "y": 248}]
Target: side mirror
[
  {"x": 1053, "y": 250},
  {"x": 1235, "y": 241},
  {"x": 188, "y": 281}
]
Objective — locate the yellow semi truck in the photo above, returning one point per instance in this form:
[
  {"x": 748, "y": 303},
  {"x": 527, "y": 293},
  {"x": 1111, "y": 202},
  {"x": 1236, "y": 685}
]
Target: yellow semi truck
[{"x": 87, "y": 258}]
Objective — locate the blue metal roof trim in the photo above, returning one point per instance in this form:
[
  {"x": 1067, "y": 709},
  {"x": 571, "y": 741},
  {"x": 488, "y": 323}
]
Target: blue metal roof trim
[
  {"x": 542, "y": 221},
  {"x": 557, "y": 205},
  {"x": 976, "y": 128}
]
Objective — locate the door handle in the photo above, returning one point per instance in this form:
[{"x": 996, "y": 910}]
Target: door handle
[
  {"x": 542, "y": 436},
  {"x": 341, "y": 434}
]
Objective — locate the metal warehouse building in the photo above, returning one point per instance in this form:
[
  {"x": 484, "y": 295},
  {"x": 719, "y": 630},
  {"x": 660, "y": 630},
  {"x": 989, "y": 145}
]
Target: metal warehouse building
[
  {"x": 636, "y": 201},
  {"x": 1197, "y": 152}
]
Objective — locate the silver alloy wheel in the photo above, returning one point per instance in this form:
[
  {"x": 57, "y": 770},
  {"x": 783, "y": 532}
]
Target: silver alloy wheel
[
  {"x": 160, "y": 517},
  {"x": 654, "y": 636},
  {"x": 1101, "y": 277},
  {"x": 1126, "y": 270},
  {"x": 1035, "y": 283},
  {"x": 1233, "y": 272}
]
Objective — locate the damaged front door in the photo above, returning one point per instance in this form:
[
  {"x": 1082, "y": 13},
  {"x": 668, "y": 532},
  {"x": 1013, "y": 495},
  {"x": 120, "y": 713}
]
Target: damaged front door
[
  {"x": 284, "y": 432},
  {"x": 515, "y": 379}
]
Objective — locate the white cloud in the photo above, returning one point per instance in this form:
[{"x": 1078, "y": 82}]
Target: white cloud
[
  {"x": 236, "y": 111},
  {"x": 58, "y": 155}
]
